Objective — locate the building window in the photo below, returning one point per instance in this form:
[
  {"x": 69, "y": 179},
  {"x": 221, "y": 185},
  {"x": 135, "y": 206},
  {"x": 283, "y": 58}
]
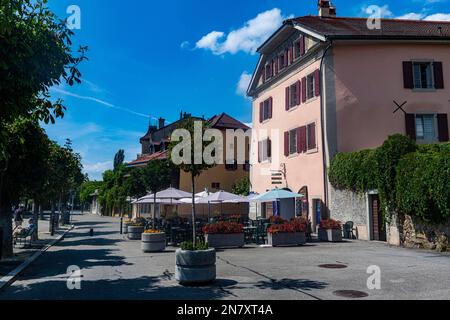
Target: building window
[
  {"x": 425, "y": 127},
  {"x": 265, "y": 151},
  {"x": 293, "y": 142},
  {"x": 310, "y": 85},
  {"x": 293, "y": 96},
  {"x": 281, "y": 61},
  {"x": 231, "y": 167},
  {"x": 268, "y": 71},
  {"x": 265, "y": 111},
  {"x": 297, "y": 49},
  {"x": 423, "y": 75},
  {"x": 215, "y": 185},
  {"x": 311, "y": 136}
]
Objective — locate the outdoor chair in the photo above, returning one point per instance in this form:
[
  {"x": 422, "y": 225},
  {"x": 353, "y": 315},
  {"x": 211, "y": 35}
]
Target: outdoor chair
[{"x": 349, "y": 230}]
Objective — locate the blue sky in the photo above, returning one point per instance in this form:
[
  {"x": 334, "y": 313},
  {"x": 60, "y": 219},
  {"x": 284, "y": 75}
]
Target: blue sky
[{"x": 156, "y": 58}]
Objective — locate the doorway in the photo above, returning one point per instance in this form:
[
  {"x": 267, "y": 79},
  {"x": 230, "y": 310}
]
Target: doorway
[{"x": 378, "y": 227}]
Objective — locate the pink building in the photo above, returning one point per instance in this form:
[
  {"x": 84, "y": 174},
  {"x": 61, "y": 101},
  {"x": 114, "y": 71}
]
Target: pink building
[{"x": 332, "y": 84}]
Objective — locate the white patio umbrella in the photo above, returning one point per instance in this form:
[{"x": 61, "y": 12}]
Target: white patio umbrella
[
  {"x": 276, "y": 194},
  {"x": 172, "y": 193},
  {"x": 222, "y": 197}
]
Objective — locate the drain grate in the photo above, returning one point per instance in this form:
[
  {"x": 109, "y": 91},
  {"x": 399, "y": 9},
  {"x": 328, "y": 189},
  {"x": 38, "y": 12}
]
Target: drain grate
[
  {"x": 352, "y": 294},
  {"x": 333, "y": 266}
]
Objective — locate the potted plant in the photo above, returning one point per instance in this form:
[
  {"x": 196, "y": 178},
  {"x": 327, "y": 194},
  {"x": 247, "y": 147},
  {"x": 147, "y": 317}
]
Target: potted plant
[
  {"x": 224, "y": 234},
  {"x": 135, "y": 229},
  {"x": 153, "y": 241},
  {"x": 330, "y": 230},
  {"x": 291, "y": 233},
  {"x": 195, "y": 264}
]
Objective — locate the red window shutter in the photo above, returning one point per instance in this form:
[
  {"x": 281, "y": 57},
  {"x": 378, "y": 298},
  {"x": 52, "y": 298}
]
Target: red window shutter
[
  {"x": 276, "y": 66},
  {"x": 443, "y": 127},
  {"x": 312, "y": 143},
  {"x": 261, "y": 112},
  {"x": 287, "y": 99},
  {"x": 304, "y": 89},
  {"x": 290, "y": 54},
  {"x": 317, "y": 82},
  {"x": 270, "y": 107},
  {"x": 438, "y": 75},
  {"x": 269, "y": 148},
  {"x": 411, "y": 125},
  {"x": 286, "y": 58},
  {"x": 299, "y": 140},
  {"x": 298, "y": 89},
  {"x": 286, "y": 144},
  {"x": 408, "y": 79},
  {"x": 302, "y": 45},
  {"x": 303, "y": 146}
]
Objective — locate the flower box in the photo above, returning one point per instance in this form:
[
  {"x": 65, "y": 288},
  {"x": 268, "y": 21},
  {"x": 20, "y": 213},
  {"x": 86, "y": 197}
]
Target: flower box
[
  {"x": 223, "y": 241},
  {"x": 281, "y": 239},
  {"x": 194, "y": 267},
  {"x": 135, "y": 233},
  {"x": 153, "y": 242},
  {"x": 330, "y": 235}
]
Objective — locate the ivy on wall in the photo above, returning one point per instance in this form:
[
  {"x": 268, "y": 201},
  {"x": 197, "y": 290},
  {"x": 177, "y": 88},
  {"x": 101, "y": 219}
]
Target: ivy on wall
[{"x": 410, "y": 179}]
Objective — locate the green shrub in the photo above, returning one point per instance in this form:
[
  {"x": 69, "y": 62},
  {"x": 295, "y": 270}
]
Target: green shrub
[{"x": 199, "y": 246}]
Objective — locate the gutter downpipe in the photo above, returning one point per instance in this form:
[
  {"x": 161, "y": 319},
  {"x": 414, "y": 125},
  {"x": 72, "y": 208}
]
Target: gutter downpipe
[{"x": 322, "y": 112}]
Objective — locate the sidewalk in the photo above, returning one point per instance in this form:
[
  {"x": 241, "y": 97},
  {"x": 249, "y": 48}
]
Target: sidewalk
[{"x": 22, "y": 254}]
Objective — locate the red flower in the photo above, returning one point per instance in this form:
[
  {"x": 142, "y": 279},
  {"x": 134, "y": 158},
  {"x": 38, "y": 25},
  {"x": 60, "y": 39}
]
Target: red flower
[
  {"x": 330, "y": 224},
  {"x": 296, "y": 225},
  {"x": 223, "y": 227}
]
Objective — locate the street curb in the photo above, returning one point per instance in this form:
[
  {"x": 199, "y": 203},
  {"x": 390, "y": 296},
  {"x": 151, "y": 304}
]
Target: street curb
[{"x": 12, "y": 276}]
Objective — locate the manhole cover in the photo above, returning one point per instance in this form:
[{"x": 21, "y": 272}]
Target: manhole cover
[
  {"x": 352, "y": 294},
  {"x": 333, "y": 266}
]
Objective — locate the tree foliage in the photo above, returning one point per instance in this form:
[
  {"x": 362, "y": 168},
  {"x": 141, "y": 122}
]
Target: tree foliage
[
  {"x": 242, "y": 187},
  {"x": 88, "y": 188},
  {"x": 119, "y": 158}
]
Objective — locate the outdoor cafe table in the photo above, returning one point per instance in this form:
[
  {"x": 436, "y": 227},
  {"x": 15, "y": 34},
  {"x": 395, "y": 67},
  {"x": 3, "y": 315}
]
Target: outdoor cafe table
[{"x": 250, "y": 233}]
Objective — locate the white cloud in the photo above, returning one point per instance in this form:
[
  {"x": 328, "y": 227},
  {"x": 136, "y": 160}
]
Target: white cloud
[
  {"x": 247, "y": 38},
  {"x": 99, "y": 167},
  {"x": 438, "y": 17},
  {"x": 374, "y": 10},
  {"x": 184, "y": 45},
  {"x": 411, "y": 16},
  {"x": 244, "y": 82}
]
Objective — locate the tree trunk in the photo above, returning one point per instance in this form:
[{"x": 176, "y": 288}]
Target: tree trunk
[
  {"x": 6, "y": 226},
  {"x": 52, "y": 218},
  {"x": 41, "y": 212},
  {"x": 154, "y": 210},
  {"x": 194, "y": 239},
  {"x": 35, "y": 236}
]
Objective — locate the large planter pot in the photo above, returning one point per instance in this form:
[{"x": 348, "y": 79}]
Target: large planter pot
[
  {"x": 135, "y": 233},
  {"x": 193, "y": 267},
  {"x": 286, "y": 239},
  {"x": 223, "y": 241},
  {"x": 153, "y": 242},
  {"x": 125, "y": 228},
  {"x": 330, "y": 235}
]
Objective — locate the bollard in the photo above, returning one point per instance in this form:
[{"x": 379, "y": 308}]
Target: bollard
[
  {"x": 91, "y": 232},
  {"x": 121, "y": 225}
]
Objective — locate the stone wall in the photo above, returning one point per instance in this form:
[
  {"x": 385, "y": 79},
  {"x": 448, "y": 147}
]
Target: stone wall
[
  {"x": 418, "y": 234},
  {"x": 349, "y": 206}
]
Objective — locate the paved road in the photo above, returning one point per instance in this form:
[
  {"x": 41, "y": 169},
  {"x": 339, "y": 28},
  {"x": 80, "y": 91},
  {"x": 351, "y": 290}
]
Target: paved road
[{"x": 114, "y": 268}]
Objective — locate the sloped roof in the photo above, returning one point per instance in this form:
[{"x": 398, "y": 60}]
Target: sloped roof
[
  {"x": 224, "y": 121},
  {"x": 146, "y": 158},
  {"x": 342, "y": 27}
]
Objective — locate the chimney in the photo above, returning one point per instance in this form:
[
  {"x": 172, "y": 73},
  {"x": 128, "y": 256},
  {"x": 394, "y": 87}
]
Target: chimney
[
  {"x": 326, "y": 9},
  {"x": 161, "y": 123}
]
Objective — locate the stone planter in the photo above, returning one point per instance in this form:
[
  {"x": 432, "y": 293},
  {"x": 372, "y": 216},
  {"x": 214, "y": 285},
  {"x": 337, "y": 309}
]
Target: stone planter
[
  {"x": 153, "y": 242},
  {"x": 287, "y": 239},
  {"x": 125, "y": 228},
  {"x": 223, "y": 241},
  {"x": 193, "y": 267},
  {"x": 135, "y": 233},
  {"x": 330, "y": 235}
]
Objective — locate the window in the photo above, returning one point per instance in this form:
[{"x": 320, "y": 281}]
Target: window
[
  {"x": 310, "y": 85},
  {"x": 231, "y": 167},
  {"x": 425, "y": 127},
  {"x": 265, "y": 111},
  {"x": 423, "y": 75},
  {"x": 297, "y": 49},
  {"x": 311, "y": 136},
  {"x": 293, "y": 142},
  {"x": 265, "y": 152},
  {"x": 281, "y": 61},
  {"x": 215, "y": 185},
  {"x": 293, "y": 96},
  {"x": 268, "y": 71}
]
